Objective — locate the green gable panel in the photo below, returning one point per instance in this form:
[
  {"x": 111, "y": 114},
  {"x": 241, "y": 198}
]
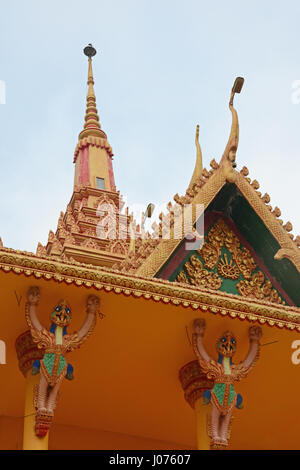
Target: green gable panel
[
  {"x": 195, "y": 268},
  {"x": 232, "y": 203},
  {"x": 230, "y": 206}
]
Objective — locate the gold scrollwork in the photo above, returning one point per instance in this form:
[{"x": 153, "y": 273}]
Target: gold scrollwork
[
  {"x": 198, "y": 276},
  {"x": 253, "y": 285}
]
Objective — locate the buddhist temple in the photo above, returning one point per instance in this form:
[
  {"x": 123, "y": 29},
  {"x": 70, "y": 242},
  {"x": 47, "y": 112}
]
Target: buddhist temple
[{"x": 118, "y": 338}]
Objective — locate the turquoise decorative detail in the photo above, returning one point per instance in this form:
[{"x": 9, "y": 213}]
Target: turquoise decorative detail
[
  {"x": 48, "y": 361},
  {"x": 219, "y": 391}
]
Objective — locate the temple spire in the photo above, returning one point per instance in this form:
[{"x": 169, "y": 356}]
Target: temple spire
[{"x": 92, "y": 125}]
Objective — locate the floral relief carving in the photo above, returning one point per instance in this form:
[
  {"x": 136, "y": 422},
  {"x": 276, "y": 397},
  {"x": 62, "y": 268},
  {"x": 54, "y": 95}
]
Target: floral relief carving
[
  {"x": 200, "y": 276},
  {"x": 253, "y": 283},
  {"x": 70, "y": 239},
  {"x": 89, "y": 243},
  {"x": 119, "y": 248}
]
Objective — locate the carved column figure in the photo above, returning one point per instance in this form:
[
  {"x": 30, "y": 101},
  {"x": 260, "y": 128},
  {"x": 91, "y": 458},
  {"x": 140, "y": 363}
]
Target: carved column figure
[
  {"x": 54, "y": 342},
  {"x": 224, "y": 373}
]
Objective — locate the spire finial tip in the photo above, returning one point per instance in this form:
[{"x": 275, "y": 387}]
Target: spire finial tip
[{"x": 89, "y": 51}]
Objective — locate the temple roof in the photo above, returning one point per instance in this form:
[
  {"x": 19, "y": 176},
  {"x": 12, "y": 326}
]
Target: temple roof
[
  {"x": 233, "y": 194},
  {"x": 205, "y": 191},
  {"x": 222, "y": 190}
]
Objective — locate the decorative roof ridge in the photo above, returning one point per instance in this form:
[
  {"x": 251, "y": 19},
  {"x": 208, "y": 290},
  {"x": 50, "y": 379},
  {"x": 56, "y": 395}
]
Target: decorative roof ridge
[
  {"x": 136, "y": 261},
  {"x": 198, "y": 183},
  {"x": 288, "y": 227},
  {"x": 289, "y": 245}
]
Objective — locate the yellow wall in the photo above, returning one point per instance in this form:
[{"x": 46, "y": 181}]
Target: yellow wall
[
  {"x": 72, "y": 437},
  {"x": 11, "y": 433},
  {"x": 76, "y": 438}
]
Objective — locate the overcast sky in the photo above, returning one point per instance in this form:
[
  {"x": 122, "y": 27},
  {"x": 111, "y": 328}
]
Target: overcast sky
[{"x": 161, "y": 68}]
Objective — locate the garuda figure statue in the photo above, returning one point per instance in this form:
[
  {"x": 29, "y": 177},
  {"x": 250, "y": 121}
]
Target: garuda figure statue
[
  {"x": 56, "y": 343},
  {"x": 223, "y": 396}
]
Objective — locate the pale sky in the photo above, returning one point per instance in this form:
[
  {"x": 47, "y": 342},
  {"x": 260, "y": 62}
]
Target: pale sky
[{"x": 161, "y": 68}]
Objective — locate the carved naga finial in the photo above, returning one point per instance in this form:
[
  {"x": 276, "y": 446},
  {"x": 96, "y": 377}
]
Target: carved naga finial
[
  {"x": 147, "y": 214},
  {"x": 228, "y": 158},
  {"x": 198, "y": 165}
]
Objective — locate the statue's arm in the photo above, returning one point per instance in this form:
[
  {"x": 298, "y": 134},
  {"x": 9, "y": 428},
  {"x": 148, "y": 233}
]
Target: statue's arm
[
  {"x": 92, "y": 308},
  {"x": 33, "y": 297},
  {"x": 88, "y": 326},
  {"x": 199, "y": 327},
  {"x": 255, "y": 333}
]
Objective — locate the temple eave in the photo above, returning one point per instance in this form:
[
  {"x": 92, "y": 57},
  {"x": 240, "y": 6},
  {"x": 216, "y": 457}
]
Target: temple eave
[
  {"x": 48, "y": 268},
  {"x": 92, "y": 256}
]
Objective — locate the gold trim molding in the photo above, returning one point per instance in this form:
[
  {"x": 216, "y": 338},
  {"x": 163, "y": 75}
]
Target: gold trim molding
[{"x": 157, "y": 290}]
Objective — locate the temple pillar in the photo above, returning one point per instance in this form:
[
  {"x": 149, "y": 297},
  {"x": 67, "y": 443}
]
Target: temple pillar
[
  {"x": 27, "y": 353},
  {"x": 194, "y": 384}
]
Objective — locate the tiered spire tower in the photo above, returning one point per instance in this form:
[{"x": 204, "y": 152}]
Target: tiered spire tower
[{"x": 85, "y": 233}]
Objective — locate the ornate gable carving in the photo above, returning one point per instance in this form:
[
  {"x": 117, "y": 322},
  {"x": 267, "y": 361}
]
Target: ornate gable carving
[{"x": 221, "y": 258}]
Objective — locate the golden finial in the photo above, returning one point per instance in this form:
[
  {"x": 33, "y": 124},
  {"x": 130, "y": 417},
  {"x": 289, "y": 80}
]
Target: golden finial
[
  {"x": 147, "y": 214},
  {"x": 92, "y": 123},
  {"x": 198, "y": 165},
  {"x": 233, "y": 141}
]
